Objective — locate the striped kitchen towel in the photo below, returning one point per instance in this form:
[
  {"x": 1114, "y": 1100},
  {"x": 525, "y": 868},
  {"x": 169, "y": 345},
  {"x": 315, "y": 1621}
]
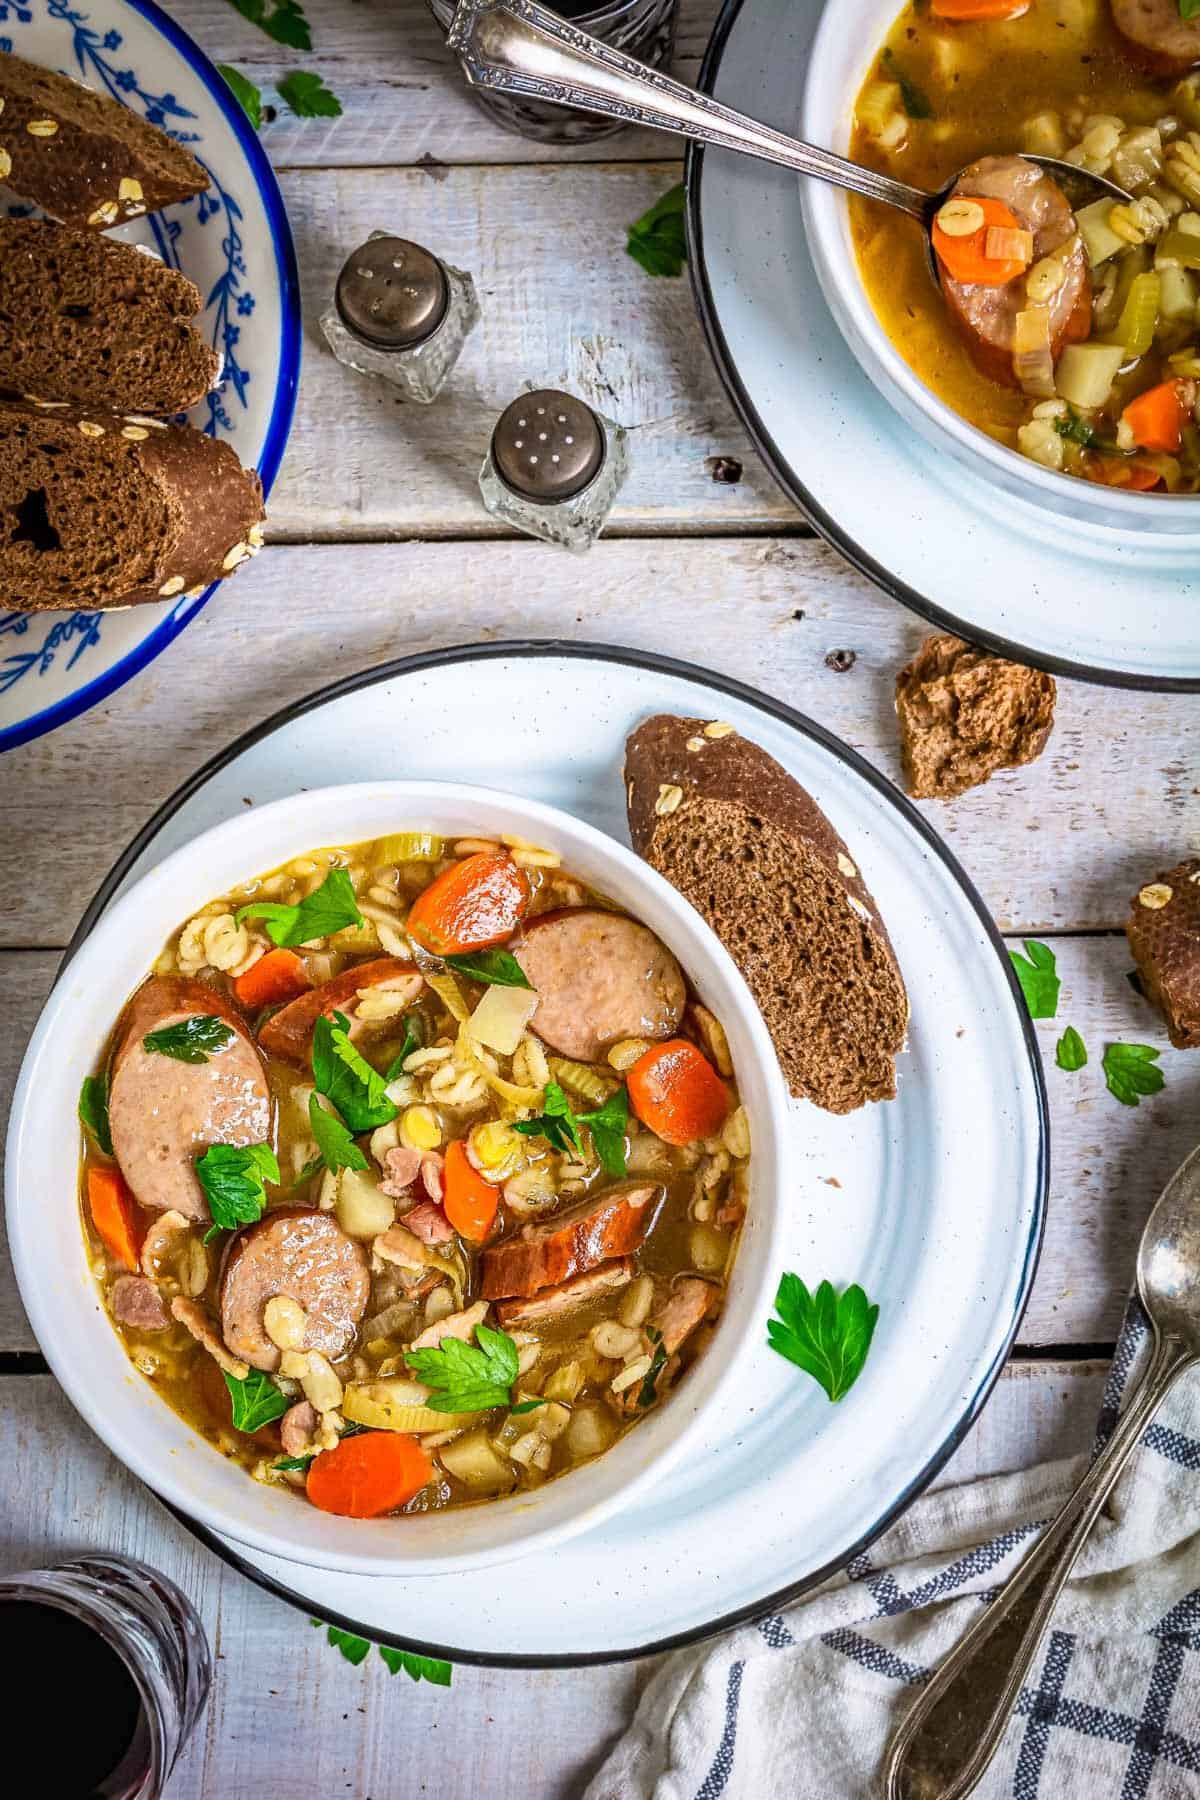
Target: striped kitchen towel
[{"x": 803, "y": 1703}]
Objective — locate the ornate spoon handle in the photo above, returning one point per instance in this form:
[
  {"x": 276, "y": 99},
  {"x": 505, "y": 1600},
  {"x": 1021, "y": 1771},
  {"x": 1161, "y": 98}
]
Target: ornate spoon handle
[
  {"x": 946, "y": 1742},
  {"x": 517, "y": 47}
]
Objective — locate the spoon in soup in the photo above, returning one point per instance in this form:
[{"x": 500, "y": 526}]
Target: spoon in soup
[{"x": 517, "y": 47}]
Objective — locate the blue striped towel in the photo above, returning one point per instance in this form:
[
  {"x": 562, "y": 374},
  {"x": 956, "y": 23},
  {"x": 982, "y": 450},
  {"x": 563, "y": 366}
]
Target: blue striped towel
[{"x": 802, "y": 1704}]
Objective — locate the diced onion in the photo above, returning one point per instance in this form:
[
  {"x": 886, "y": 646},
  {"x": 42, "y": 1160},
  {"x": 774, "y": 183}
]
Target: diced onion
[
  {"x": 450, "y": 994},
  {"x": 1033, "y": 361},
  {"x": 500, "y": 1019}
]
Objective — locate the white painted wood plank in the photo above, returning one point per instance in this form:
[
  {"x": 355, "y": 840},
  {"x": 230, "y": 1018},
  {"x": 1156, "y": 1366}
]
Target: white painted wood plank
[
  {"x": 1058, "y": 846},
  {"x": 402, "y": 93},
  {"x": 289, "y": 1716},
  {"x": 563, "y": 306},
  {"x": 1109, "y": 1162}
]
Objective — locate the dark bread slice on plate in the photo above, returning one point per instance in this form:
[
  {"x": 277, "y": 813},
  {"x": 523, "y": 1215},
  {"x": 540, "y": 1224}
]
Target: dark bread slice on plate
[
  {"x": 755, "y": 855},
  {"x": 964, "y": 714},
  {"x": 1163, "y": 929},
  {"x": 95, "y": 322},
  {"x": 82, "y": 157},
  {"x": 106, "y": 511}
]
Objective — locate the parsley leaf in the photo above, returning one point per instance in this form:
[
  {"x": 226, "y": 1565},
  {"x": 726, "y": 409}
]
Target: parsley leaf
[
  {"x": 825, "y": 1336},
  {"x": 1188, "y": 9},
  {"x": 355, "y": 1649},
  {"x": 346, "y": 1079},
  {"x": 256, "y": 1400},
  {"x": 330, "y": 908},
  {"x": 232, "y": 1177},
  {"x": 657, "y": 240},
  {"x": 304, "y": 91},
  {"x": 1070, "y": 1052},
  {"x": 244, "y": 91},
  {"x": 414, "y": 1037},
  {"x": 913, "y": 99},
  {"x": 192, "y": 1040},
  {"x": 1075, "y": 428},
  {"x": 499, "y": 968},
  {"x": 93, "y": 1110},
  {"x": 648, "y": 1392},
  {"x": 467, "y": 1377},
  {"x": 1130, "y": 1072},
  {"x": 559, "y": 1125},
  {"x": 556, "y": 1122},
  {"x": 285, "y": 22},
  {"x": 336, "y": 1145},
  {"x": 417, "y": 1668},
  {"x": 1037, "y": 974}
]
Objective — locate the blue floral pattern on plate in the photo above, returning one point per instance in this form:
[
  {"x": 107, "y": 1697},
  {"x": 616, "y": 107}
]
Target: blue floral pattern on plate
[{"x": 234, "y": 243}]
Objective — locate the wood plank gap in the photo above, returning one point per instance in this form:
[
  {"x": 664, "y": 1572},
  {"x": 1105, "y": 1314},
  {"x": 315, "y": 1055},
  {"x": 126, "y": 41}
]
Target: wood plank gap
[
  {"x": 23, "y": 1362},
  {"x": 1044, "y": 1353}
]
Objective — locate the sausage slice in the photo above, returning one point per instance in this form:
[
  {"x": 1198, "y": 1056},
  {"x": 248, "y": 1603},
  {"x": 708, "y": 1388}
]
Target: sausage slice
[
  {"x": 163, "y": 1113},
  {"x": 305, "y": 1254},
  {"x": 552, "y": 1302},
  {"x": 137, "y": 1302},
  {"x": 599, "y": 977},
  {"x": 288, "y": 1033},
  {"x": 606, "y": 1225},
  {"x": 1161, "y": 41},
  {"x": 987, "y": 316}
]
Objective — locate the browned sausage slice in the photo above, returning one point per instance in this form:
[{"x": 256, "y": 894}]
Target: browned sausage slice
[
  {"x": 605, "y": 1225},
  {"x": 288, "y": 1033},
  {"x": 685, "y": 1306},
  {"x": 163, "y": 1113},
  {"x": 552, "y": 1302},
  {"x": 137, "y": 1302},
  {"x": 306, "y": 1254},
  {"x": 1161, "y": 41},
  {"x": 987, "y": 316},
  {"x": 599, "y": 977}
]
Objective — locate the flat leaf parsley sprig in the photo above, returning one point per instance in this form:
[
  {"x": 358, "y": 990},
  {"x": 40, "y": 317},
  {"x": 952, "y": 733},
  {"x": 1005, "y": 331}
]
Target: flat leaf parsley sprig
[{"x": 825, "y": 1335}]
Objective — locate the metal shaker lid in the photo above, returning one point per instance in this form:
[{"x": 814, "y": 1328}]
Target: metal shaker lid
[
  {"x": 548, "y": 446},
  {"x": 392, "y": 293}
]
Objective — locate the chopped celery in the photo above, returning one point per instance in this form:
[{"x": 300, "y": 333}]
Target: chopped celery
[
  {"x": 880, "y": 107},
  {"x": 410, "y": 846},
  {"x": 1185, "y": 99},
  {"x": 396, "y": 1405},
  {"x": 1178, "y": 248},
  {"x": 1099, "y": 238},
  {"x": 1086, "y": 372},
  {"x": 1139, "y": 315}
]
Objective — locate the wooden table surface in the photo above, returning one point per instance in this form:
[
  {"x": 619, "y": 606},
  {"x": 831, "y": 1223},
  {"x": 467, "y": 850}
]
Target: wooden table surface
[{"x": 378, "y": 504}]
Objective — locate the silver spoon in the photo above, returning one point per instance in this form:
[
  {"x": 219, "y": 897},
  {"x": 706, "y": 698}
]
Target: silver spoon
[
  {"x": 518, "y": 47},
  {"x": 944, "y": 1745}
]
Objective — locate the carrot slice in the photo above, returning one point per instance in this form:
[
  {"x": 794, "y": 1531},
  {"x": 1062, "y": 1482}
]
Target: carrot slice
[
  {"x": 1123, "y": 472},
  {"x": 111, "y": 1207},
  {"x": 469, "y": 1202},
  {"x": 1157, "y": 417},
  {"x": 966, "y": 258},
  {"x": 979, "y": 9},
  {"x": 278, "y": 976},
  {"x": 676, "y": 1092},
  {"x": 367, "y": 1475},
  {"x": 480, "y": 901}
]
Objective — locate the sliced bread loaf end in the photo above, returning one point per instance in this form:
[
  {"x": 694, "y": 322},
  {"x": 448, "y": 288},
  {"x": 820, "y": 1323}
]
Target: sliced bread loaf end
[
  {"x": 102, "y": 511},
  {"x": 755, "y": 855},
  {"x": 83, "y": 157},
  {"x": 93, "y": 321}
]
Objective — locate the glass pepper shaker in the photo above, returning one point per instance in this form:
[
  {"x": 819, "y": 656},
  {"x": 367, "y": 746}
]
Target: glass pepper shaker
[
  {"x": 554, "y": 468},
  {"x": 401, "y": 313}
]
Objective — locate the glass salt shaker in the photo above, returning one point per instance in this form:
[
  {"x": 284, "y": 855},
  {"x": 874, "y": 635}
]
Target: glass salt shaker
[
  {"x": 401, "y": 313},
  {"x": 554, "y": 468}
]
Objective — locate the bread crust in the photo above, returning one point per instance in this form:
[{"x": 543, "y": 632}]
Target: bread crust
[
  {"x": 673, "y": 764},
  {"x": 82, "y": 157},
  {"x": 1163, "y": 929},
  {"x": 198, "y": 513}
]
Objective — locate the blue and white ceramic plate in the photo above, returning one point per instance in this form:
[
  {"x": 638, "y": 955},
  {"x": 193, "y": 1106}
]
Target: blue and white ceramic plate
[{"x": 235, "y": 244}]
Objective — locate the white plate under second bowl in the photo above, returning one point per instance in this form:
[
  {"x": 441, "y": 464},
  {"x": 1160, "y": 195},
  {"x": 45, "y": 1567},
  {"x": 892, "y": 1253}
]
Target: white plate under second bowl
[
  {"x": 934, "y": 1202},
  {"x": 1078, "y": 598}
]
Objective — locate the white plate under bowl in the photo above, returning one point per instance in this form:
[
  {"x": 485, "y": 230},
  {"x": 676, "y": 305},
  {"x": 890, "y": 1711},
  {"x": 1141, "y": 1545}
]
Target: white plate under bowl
[
  {"x": 1105, "y": 604},
  {"x": 234, "y": 242},
  {"x": 934, "y": 1202}
]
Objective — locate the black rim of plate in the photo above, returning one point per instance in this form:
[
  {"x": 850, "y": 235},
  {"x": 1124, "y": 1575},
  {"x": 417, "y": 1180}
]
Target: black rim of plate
[
  {"x": 891, "y": 796},
  {"x": 789, "y": 480}
]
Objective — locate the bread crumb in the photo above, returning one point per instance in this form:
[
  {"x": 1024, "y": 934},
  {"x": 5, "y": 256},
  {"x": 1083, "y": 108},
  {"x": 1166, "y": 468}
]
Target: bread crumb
[
  {"x": 964, "y": 714},
  {"x": 846, "y": 866}
]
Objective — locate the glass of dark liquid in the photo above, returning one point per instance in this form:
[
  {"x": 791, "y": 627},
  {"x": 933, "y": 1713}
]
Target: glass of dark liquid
[
  {"x": 644, "y": 29},
  {"x": 134, "y": 1660}
]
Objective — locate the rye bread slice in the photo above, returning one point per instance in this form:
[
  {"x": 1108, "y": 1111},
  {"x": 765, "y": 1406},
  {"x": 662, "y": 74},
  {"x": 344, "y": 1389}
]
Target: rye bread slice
[
  {"x": 82, "y": 157},
  {"x": 1163, "y": 929},
  {"x": 93, "y": 321},
  {"x": 759, "y": 860},
  {"x": 100, "y": 511},
  {"x": 964, "y": 714}
]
